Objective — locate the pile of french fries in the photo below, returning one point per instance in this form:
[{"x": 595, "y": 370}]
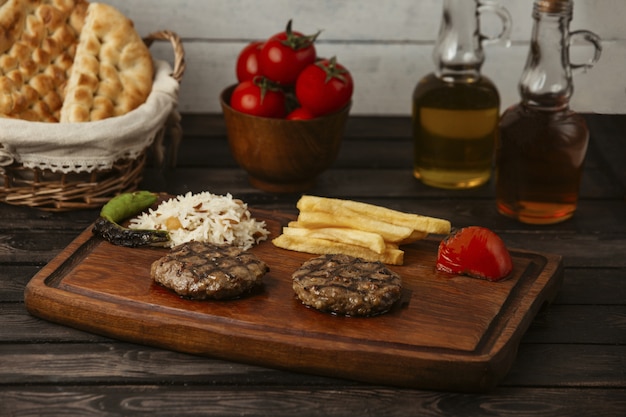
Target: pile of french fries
[{"x": 374, "y": 233}]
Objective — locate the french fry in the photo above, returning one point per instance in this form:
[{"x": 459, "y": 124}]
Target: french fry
[
  {"x": 372, "y": 241},
  {"x": 337, "y": 206},
  {"x": 391, "y": 255},
  {"x": 390, "y": 232},
  {"x": 373, "y": 233},
  {"x": 415, "y": 236}
]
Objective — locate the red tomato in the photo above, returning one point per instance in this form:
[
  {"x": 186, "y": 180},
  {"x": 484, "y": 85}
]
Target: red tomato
[
  {"x": 300, "y": 114},
  {"x": 258, "y": 98},
  {"x": 286, "y": 54},
  {"x": 475, "y": 251},
  {"x": 248, "y": 61},
  {"x": 324, "y": 87}
]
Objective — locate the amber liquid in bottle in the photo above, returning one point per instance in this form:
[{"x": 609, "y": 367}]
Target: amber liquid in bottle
[
  {"x": 540, "y": 164},
  {"x": 542, "y": 143},
  {"x": 454, "y": 131}
]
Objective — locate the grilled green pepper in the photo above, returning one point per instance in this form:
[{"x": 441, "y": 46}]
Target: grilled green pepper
[{"x": 122, "y": 207}]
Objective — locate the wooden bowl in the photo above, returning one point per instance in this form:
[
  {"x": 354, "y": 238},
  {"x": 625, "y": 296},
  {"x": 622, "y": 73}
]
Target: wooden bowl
[{"x": 279, "y": 155}]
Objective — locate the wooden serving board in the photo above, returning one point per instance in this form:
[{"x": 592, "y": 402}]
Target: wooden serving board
[{"x": 448, "y": 333}]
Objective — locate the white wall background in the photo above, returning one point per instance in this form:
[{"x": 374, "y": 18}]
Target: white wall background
[{"x": 387, "y": 45}]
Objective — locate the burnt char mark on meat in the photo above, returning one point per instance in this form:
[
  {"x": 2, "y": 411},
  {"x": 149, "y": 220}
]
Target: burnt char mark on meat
[
  {"x": 205, "y": 271},
  {"x": 346, "y": 285}
]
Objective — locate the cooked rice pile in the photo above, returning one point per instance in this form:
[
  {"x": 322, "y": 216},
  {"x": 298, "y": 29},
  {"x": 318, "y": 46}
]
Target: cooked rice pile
[{"x": 204, "y": 217}]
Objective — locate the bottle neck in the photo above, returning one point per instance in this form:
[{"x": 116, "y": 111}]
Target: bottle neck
[
  {"x": 546, "y": 81},
  {"x": 458, "y": 53}
]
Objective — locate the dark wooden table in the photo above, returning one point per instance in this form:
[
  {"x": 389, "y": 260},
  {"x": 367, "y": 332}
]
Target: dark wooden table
[{"x": 572, "y": 360}]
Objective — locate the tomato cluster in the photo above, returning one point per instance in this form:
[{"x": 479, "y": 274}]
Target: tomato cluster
[{"x": 282, "y": 77}]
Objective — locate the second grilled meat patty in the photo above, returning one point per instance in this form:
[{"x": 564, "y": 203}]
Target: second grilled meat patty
[{"x": 346, "y": 285}]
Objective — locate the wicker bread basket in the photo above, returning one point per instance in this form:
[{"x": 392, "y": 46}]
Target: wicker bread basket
[{"x": 63, "y": 190}]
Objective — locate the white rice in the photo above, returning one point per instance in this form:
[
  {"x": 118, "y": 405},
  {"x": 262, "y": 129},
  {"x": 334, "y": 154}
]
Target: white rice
[{"x": 204, "y": 217}]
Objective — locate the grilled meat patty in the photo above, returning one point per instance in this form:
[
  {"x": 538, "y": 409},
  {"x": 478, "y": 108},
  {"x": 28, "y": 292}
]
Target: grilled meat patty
[
  {"x": 203, "y": 271},
  {"x": 345, "y": 285}
]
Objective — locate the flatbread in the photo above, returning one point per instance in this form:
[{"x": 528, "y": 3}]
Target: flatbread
[
  {"x": 69, "y": 60},
  {"x": 38, "y": 48},
  {"x": 113, "y": 70}
]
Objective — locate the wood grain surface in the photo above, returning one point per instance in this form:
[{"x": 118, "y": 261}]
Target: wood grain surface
[
  {"x": 570, "y": 362},
  {"x": 447, "y": 332}
]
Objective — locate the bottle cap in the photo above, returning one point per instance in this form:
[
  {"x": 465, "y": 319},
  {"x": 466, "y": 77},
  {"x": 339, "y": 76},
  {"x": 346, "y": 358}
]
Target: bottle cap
[{"x": 554, "y": 6}]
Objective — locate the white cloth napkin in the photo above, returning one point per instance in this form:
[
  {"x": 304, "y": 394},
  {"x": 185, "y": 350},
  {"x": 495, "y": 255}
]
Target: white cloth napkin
[{"x": 87, "y": 146}]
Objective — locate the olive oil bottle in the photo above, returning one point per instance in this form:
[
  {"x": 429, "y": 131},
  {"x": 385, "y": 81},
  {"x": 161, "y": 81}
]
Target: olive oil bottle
[
  {"x": 456, "y": 108},
  {"x": 542, "y": 143}
]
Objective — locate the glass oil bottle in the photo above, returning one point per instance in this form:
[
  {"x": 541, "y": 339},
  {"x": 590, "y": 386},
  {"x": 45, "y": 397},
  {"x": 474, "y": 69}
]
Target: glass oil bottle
[
  {"x": 542, "y": 144},
  {"x": 456, "y": 108}
]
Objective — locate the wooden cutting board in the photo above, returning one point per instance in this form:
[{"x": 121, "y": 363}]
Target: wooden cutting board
[{"x": 448, "y": 333}]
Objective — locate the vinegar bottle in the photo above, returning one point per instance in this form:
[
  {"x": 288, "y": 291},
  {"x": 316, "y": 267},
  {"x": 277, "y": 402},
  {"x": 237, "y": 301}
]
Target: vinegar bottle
[
  {"x": 542, "y": 144},
  {"x": 456, "y": 108}
]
